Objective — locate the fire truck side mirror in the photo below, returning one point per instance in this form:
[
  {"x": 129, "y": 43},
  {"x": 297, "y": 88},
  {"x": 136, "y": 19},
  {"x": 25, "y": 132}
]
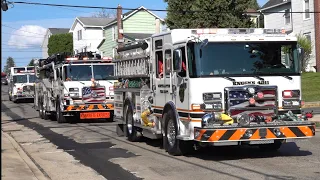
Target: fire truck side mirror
[{"x": 177, "y": 60}]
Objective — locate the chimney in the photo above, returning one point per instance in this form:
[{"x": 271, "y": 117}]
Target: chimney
[
  {"x": 119, "y": 24},
  {"x": 157, "y": 26}
]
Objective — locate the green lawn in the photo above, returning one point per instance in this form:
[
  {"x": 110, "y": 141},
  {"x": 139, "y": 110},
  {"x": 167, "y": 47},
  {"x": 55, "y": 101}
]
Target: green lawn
[{"x": 310, "y": 87}]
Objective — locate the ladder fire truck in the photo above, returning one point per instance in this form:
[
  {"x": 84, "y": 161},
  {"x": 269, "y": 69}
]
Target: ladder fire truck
[
  {"x": 79, "y": 86},
  {"x": 21, "y": 83},
  {"x": 200, "y": 87}
]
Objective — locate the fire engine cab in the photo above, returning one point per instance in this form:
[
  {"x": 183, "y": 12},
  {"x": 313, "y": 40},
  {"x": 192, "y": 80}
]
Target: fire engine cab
[
  {"x": 200, "y": 87},
  {"x": 21, "y": 83},
  {"x": 79, "y": 86}
]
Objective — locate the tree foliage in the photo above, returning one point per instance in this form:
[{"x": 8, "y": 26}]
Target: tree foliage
[
  {"x": 10, "y": 63},
  {"x": 304, "y": 43},
  {"x": 31, "y": 63},
  {"x": 209, "y": 13},
  {"x": 60, "y": 43},
  {"x": 105, "y": 13}
]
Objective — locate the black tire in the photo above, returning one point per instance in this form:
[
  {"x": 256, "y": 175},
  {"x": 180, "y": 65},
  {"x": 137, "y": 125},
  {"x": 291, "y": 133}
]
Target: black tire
[
  {"x": 59, "y": 116},
  {"x": 173, "y": 145},
  {"x": 131, "y": 132},
  {"x": 271, "y": 147},
  {"x": 40, "y": 110},
  {"x": 45, "y": 115}
]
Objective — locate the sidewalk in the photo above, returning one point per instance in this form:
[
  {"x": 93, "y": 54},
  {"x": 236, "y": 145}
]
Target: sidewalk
[
  {"x": 15, "y": 163},
  {"x": 311, "y": 104}
]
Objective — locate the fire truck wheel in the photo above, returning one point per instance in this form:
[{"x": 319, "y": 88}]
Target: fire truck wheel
[
  {"x": 171, "y": 144},
  {"x": 45, "y": 115},
  {"x": 271, "y": 147},
  {"x": 40, "y": 110},
  {"x": 131, "y": 131},
  {"x": 59, "y": 115}
]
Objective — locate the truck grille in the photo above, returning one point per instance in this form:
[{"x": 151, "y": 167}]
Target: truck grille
[
  {"x": 238, "y": 100},
  {"x": 94, "y": 94},
  {"x": 28, "y": 88}
]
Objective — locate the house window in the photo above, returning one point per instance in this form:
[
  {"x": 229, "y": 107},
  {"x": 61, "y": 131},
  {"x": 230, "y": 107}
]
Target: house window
[
  {"x": 287, "y": 16},
  {"x": 79, "y": 34},
  {"x": 306, "y": 10},
  {"x": 308, "y": 36}
]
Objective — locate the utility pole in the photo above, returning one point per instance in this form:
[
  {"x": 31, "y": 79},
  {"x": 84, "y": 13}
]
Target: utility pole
[{"x": 4, "y": 5}]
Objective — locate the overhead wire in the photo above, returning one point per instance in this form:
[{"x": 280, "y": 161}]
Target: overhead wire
[{"x": 160, "y": 10}]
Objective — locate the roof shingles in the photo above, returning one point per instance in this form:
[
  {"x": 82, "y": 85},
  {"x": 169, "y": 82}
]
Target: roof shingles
[
  {"x": 93, "y": 21},
  {"x": 58, "y": 30},
  {"x": 272, "y": 3}
]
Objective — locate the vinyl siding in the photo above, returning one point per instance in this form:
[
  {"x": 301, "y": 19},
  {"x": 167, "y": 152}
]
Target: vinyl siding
[
  {"x": 108, "y": 45},
  {"x": 141, "y": 21}
]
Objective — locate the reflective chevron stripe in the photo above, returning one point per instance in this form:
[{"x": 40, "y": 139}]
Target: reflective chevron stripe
[
  {"x": 248, "y": 134},
  {"x": 89, "y": 107}
]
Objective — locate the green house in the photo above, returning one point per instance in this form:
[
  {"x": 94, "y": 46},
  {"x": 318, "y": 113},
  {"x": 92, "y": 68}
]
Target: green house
[{"x": 137, "y": 24}]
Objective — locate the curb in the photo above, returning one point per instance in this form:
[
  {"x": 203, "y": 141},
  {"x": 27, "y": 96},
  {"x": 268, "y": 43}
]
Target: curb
[
  {"x": 33, "y": 167},
  {"x": 311, "y": 105}
]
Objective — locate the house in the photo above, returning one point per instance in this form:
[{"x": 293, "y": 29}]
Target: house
[
  {"x": 137, "y": 24},
  {"x": 254, "y": 17},
  {"x": 49, "y": 32},
  {"x": 277, "y": 14},
  {"x": 88, "y": 33}
]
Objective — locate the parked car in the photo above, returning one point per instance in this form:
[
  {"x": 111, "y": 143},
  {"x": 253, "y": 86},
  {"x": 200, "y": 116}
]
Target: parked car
[{"x": 4, "y": 81}]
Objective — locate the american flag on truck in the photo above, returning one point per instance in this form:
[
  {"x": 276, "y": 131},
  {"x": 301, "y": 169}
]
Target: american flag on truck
[
  {"x": 93, "y": 94},
  {"x": 240, "y": 99}
]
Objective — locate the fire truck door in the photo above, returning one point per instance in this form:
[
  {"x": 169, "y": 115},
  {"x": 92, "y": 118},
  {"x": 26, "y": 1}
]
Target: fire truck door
[{"x": 159, "y": 78}]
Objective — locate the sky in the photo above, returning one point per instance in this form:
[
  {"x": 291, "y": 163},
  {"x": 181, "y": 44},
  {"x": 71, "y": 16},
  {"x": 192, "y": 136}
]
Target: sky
[{"x": 23, "y": 26}]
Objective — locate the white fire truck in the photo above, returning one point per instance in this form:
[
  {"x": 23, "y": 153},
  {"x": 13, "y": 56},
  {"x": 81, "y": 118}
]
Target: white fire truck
[
  {"x": 78, "y": 86},
  {"x": 200, "y": 87},
  {"x": 21, "y": 83}
]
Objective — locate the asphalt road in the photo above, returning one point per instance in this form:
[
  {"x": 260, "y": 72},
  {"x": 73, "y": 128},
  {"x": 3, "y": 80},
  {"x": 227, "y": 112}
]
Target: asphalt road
[{"x": 97, "y": 146}]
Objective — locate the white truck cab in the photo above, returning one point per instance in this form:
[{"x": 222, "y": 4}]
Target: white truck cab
[
  {"x": 200, "y": 87},
  {"x": 78, "y": 86},
  {"x": 21, "y": 83}
]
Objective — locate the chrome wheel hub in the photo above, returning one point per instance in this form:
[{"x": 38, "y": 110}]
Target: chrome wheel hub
[{"x": 171, "y": 133}]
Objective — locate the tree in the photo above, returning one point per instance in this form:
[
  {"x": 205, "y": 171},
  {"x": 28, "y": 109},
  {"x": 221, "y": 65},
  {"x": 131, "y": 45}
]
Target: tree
[
  {"x": 60, "y": 43},
  {"x": 10, "y": 63},
  {"x": 304, "y": 43},
  {"x": 105, "y": 13},
  {"x": 31, "y": 63},
  {"x": 209, "y": 13}
]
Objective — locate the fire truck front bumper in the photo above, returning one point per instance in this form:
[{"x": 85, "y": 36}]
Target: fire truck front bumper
[
  {"x": 90, "y": 111},
  {"x": 255, "y": 134},
  {"x": 23, "y": 96}
]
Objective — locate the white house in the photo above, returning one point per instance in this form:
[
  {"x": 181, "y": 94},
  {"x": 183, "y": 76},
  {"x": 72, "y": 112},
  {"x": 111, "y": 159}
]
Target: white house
[
  {"x": 295, "y": 23},
  {"x": 50, "y": 31},
  {"x": 88, "y": 33}
]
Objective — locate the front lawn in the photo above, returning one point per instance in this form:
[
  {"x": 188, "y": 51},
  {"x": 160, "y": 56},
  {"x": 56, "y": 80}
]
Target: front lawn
[{"x": 310, "y": 87}]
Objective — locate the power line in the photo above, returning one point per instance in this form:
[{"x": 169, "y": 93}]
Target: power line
[
  {"x": 161, "y": 10},
  {"x": 22, "y": 30},
  {"x": 20, "y": 51},
  {"x": 21, "y": 35},
  {"x": 26, "y": 45}
]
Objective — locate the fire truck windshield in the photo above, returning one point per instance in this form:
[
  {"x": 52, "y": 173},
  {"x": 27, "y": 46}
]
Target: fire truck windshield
[
  {"x": 84, "y": 72},
  {"x": 32, "y": 78},
  {"x": 242, "y": 59},
  {"x": 20, "y": 79}
]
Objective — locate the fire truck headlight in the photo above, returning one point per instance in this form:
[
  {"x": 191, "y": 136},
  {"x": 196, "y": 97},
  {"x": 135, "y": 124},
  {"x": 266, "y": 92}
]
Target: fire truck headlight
[
  {"x": 209, "y": 119},
  {"x": 74, "y": 94},
  {"x": 243, "y": 119},
  {"x": 73, "y": 89},
  {"x": 212, "y": 96}
]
